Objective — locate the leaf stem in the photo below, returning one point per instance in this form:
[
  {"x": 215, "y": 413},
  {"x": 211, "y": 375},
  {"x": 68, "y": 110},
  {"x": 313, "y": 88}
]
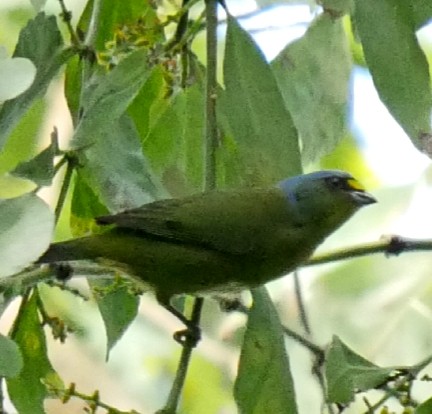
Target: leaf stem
[
  {"x": 65, "y": 185},
  {"x": 211, "y": 88}
]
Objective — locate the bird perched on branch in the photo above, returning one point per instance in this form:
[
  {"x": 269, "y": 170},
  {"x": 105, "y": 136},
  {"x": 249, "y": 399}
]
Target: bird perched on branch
[{"x": 221, "y": 241}]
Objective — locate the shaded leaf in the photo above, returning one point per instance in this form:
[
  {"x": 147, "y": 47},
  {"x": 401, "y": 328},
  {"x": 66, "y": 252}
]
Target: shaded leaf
[
  {"x": 11, "y": 361},
  {"x": 85, "y": 207},
  {"x": 337, "y": 8},
  {"x": 22, "y": 141},
  {"x": 347, "y": 372},
  {"x": 115, "y": 168},
  {"x": 150, "y": 102},
  {"x": 41, "y": 42},
  {"x": 25, "y": 232},
  {"x": 175, "y": 140},
  {"x": 118, "y": 308},
  {"x": 264, "y": 383},
  {"x": 133, "y": 16},
  {"x": 398, "y": 65},
  {"x": 253, "y": 112},
  {"x": 422, "y": 12},
  {"x": 29, "y": 389},
  {"x": 107, "y": 141},
  {"x": 313, "y": 76},
  {"x": 16, "y": 75},
  {"x": 425, "y": 407},
  {"x": 39, "y": 169}
]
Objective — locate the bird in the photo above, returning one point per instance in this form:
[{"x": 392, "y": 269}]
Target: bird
[{"x": 220, "y": 241}]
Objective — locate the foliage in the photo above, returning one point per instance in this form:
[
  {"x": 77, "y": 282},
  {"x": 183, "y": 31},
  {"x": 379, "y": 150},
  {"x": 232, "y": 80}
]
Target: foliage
[{"x": 140, "y": 101}]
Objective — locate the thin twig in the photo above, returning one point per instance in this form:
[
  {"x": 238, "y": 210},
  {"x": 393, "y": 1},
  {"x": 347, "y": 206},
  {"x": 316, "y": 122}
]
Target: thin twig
[
  {"x": 390, "y": 246},
  {"x": 211, "y": 88},
  {"x": 67, "y": 18},
  {"x": 65, "y": 187},
  {"x": 300, "y": 304}
]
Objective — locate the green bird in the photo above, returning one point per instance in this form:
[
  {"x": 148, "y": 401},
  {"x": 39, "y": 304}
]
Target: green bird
[{"x": 221, "y": 241}]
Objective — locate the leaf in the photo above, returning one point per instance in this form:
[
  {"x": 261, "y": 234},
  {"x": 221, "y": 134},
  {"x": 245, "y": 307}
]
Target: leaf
[
  {"x": 264, "y": 383},
  {"x": 346, "y": 372},
  {"x": 254, "y": 114},
  {"x": 425, "y": 407},
  {"x": 175, "y": 141},
  {"x": 337, "y": 8},
  {"x": 118, "y": 308},
  {"x": 115, "y": 168},
  {"x": 313, "y": 75},
  {"x": 41, "y": 42},
  {"x": 398, "y": 65},
  {"x": 22, "y": 141},
  {"x": 16, "y": 75},
  {"x": 107, "y": 141},
  {"x": 29, "y": 389},
  {"x": 150, "y": 102},
  {"x": 26, "y": 229},
  {"x": 422, "y": 12},
  {"x": 111, "y": 16},
  {"x": 85, "y": 207},
  {"x": 11, "y": 361},
  {"x": 107, "y": 96},
  {"x": 39, "y": 169}
]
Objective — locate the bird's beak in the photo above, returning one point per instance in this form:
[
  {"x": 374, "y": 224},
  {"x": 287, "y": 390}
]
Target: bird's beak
[{"x": 362, "y": 198}]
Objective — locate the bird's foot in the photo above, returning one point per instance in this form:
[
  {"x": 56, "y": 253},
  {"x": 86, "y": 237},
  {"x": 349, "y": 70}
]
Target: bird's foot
[{"x": 189, "y": 336}]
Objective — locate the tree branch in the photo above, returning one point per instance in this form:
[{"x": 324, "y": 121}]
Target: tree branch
[{"x": 390, "y": 246}]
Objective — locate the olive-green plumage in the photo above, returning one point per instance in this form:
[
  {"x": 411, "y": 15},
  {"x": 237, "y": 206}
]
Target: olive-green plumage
[{"x": 222, "y": 240}]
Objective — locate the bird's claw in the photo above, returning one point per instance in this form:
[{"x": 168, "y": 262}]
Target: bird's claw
[{"x": 188, "y": 337}]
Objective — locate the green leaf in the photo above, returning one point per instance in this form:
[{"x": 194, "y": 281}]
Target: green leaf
[
  {"x": 29, "y": 389},
  {"x": 425, "y": 407},
  {"x": 264, "y": 383},
  {"x": 253, "y": 112},
  {"x": 118, "y": 308},
  {"x": 41, "y": 42},
  {"x": 398, "y": 65},
  {"x": 107, "y": 96},
  {"x": 26, "y": 228},
  {"x": 174, "y": 143},
  {"x": 134, "y": 15},
  {"x": 150, "y": 102},
  {"x": 347, "y": 372},
  {"x": 39, "y": 169},
  {"x": 115, "y": 168},
  {"x": 22, "y": 142},
  {"x": 113, "y": 14},
  {"x": 337, "y": 8},
  {"x": 85, "y": 207},
  {"x": 11, "y": 361},
  {"x": 313, "y": 76},
  {"x": 107, "y": 141},
  {"x": 422, "y": 12},
  {"x": 16, "y": 75},
  {"x": 161, "y": 143}
]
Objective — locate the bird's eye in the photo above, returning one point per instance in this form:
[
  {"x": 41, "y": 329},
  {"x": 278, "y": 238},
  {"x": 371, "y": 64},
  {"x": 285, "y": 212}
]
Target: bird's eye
[
  {"x": 345, "y": 184},
  {"x": 337, "y": 182}
]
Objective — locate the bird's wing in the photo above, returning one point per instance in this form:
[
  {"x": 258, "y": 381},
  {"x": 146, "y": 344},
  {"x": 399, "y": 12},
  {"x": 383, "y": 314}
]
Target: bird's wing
[{"x": 230, "y": 222}]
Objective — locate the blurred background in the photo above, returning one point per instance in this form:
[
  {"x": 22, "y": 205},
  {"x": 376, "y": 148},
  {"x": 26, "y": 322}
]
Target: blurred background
[{"x": 379, "y": 306}]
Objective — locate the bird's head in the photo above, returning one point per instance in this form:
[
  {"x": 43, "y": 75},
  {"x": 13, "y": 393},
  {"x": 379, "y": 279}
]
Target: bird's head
[{"x": 330, "y": 197}]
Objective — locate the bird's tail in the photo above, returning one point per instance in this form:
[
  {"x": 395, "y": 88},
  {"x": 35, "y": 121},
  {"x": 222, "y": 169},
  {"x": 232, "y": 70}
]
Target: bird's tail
[{"x": 62, "y": 252}]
